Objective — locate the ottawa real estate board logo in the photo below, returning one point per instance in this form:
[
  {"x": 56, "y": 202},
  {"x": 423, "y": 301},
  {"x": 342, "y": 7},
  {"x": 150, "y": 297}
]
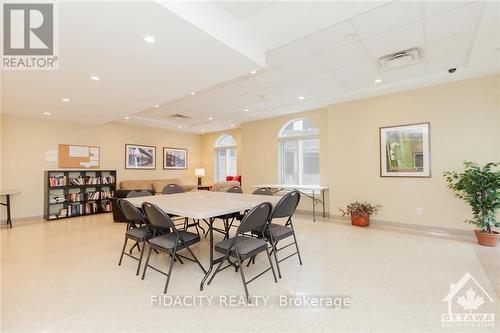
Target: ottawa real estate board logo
[
  {"x": 30, "y": 38},
  {"x": 469, "y": 305}
]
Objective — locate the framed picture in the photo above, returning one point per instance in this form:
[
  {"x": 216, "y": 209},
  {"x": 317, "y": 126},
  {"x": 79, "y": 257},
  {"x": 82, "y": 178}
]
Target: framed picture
[
  {"x": 174, "y": 158},
  {"x": 405, "y": 151},
  {"x": 140, "y": 157}
]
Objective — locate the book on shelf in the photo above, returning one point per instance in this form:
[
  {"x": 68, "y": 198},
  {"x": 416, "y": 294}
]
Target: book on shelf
[
  {"x": 106, "y": 206},
  {"x": 91, "y": 208},
  {"x": 57, "y": 180},
  {"x": 108, "y": 180},
  {"x": 53, "y": 199},
  {"x": 74, "y": 197}
]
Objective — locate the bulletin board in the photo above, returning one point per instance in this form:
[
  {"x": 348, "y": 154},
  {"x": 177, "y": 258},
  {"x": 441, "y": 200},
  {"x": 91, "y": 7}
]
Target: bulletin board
[{"x": 77, "y": 156}]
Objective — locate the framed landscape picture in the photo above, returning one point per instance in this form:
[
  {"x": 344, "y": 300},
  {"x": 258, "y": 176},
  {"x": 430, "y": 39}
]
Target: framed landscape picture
[
  {"x": 405, "y": 151},
  {"x": 140, "y": 157},
  {"x": 174, "y": 158}
]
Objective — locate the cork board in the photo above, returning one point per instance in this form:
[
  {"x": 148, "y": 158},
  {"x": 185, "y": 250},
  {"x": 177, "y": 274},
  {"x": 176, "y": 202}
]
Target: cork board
[{"x": 77, "y": 156}]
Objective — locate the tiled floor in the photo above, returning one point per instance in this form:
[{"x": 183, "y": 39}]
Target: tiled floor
[{"x": 63, "y": 277}]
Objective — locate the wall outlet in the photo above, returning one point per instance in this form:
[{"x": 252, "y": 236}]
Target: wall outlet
[{"x": 420, "y": 211}]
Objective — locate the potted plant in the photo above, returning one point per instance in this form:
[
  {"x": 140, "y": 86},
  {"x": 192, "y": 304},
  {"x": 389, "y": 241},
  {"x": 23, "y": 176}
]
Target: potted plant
[
  {"x": 360, "y": 212},
  {"x": 479, "y": 186}
]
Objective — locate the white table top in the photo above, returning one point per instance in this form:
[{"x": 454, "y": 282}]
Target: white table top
[
  {"x": 204, "y": 204},
  {"x": 9, "y": 192},
  {"x": 296, "y": 187}
]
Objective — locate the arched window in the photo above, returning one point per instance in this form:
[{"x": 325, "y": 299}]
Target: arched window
[
  {"x": 299, "y": 153},
  {"x": 225, "y": 157}
]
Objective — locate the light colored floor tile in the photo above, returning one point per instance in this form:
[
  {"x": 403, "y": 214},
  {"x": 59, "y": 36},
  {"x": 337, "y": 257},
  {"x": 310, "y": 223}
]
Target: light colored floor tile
[{"x": 63, "y": 276}]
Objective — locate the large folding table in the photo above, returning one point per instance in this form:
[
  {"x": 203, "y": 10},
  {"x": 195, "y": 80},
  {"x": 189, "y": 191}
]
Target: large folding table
[{"x": 205, "y": 205}]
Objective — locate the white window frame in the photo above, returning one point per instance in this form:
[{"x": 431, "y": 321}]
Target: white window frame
[
  {"x": 281, "y": 142},
  {"x": 227, "y": 148}
]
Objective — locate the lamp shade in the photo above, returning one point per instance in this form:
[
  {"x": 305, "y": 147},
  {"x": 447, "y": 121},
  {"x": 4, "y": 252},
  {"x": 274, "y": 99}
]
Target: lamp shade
[{"x": 199, "y": 172}]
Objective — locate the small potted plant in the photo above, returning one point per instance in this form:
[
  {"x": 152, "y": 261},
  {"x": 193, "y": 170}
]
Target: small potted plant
[
  {"x": 360, "y": 212},
  {"x": 479, "y": 186}
]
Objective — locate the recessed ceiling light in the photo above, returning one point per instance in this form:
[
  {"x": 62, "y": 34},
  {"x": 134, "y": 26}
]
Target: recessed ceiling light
[
  {"x": 253, "y": 72},
  {"x": 126, "y": 118},
  {"x": 64, "y": 99},
  {"x": 193, "y": 92},
  {"x": 377, "y": 80},
  {"x": 203, "y": 130},
  {"x": 47, "y": 113},
  {"x": 179, "y": 126},
  {"x": 156, "y": 106},
  {"x": 232, "y": 125},
  {"x": 149, "y": 39},
  {"x": 246, "y": 110},
  {"x": 95, "y": 78},
  {"x": 210, "y": 118},
  {"x": 301, "y": 97}
]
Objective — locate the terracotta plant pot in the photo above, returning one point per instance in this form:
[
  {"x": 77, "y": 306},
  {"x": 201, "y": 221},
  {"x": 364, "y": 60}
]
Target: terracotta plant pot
[
  {"x": 360, "y": 221},
  {"x": 487, "y": 239}
]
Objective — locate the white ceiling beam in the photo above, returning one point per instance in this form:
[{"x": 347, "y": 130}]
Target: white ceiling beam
[{"x": 219, "y": 25}]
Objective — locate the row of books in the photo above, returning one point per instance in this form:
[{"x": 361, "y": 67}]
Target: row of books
[
  {"x": 57, "y": 180},
  {"x": 106, "y": 206},
  {"x": 76, "y": 197},
  {"x": 88, "y": 180},
  {"x": 82, "y": 209}
]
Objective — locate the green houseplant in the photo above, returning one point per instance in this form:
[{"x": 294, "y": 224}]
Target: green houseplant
[
  {"x": 360, "y": 212},
  {"x": 479, "y": 186}
]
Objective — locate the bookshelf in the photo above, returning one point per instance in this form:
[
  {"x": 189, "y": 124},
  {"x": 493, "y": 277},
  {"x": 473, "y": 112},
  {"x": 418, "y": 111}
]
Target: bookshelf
[{"x": 72, "y": 193}]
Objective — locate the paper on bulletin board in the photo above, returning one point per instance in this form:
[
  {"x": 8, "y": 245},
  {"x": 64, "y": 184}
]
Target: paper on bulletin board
[
  {"x": 78, "y": 151},
  {"x": 51, "y": 156},
  {"x": 89, "y": 164},
  {"x": 94, "y": 154}
]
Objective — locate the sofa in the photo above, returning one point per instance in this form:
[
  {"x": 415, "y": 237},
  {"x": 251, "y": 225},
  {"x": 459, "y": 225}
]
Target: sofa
[
  {"x": 117, "y": 212},
  {"x": 224, "y": 186},
  {"x": 154, "y": 185}
]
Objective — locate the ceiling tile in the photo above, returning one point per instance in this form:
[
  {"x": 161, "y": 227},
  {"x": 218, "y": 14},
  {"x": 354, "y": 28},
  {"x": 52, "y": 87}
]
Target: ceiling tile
[
  {"x": 268, "y": 78},
  {"x": 400, "y": 39},
  {"x": 453, "y": 22},
  {"x": 329, "y": 38},
  {"x": 448, "y": 46},
  {"x": 357, "y": 70},
  {"x": 343, "y": 56},
  {"x": 442, "y": 65},
  {"x": 240, "y": 87},
  {"x": 405, "y": 74},
  {"x": 388, "y": 17},
  {"x": 436, "y": 7}
]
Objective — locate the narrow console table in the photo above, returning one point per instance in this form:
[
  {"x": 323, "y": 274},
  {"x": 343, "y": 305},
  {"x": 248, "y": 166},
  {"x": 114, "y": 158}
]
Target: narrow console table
[
  {"x": 7, "y": 194},
  {"x": 307, "y": 190}
]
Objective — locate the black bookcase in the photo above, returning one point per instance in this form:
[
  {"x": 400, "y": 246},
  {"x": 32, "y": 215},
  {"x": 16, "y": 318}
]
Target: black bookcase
[{"x": 72, "y": 193}]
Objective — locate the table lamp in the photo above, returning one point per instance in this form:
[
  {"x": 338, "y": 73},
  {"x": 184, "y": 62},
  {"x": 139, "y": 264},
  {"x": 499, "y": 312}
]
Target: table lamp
[{"x": 199, "y": 172}]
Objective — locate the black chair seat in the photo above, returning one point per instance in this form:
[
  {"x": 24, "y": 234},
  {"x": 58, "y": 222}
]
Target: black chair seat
[
  {"x": 279, "y": 231},
  {"x": 167, "y": 241},
  {"x": 137, "y": 234},
  {"x": 247, "y": 246}
]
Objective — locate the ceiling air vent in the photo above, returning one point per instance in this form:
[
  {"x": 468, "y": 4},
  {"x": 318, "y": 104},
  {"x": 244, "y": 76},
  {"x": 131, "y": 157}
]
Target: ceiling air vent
[
  {"x": 178, "y": 117},
  {"x": 400, "y": 59}
]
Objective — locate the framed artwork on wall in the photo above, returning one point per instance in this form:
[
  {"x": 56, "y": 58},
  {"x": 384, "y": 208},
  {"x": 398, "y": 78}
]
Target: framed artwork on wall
[
  {"x": 140, "y": 157},
  {"x": 405, "y": 151},
  {"x": 174, "y": 158}
]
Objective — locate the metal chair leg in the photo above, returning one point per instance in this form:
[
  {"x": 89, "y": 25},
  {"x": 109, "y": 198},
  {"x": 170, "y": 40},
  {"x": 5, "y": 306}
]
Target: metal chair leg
[
  {"x": 147, "y": 263},
  {"x": 172, "y": 261},
  {"x": 218, "y": 267},
  {"x": 276, "y": 258},
  {"x": 297, "y": 247},
  {"x": 197, "y": 261},
  {"x": 132, "y": 248},
  {"x": 243, "y": 277},
  {"x": 271, "y": 263},
  {"x": 123, "y": 251},
  {"x": 140, "y": 259}
]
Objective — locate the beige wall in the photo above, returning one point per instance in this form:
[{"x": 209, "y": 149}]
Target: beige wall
[
  {"x": 26, "y": 140},
  {"x": 260, "y": 146},
  {"x": 465, "y": 124},
  {"x": 208, "y": 156}
]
